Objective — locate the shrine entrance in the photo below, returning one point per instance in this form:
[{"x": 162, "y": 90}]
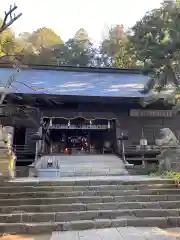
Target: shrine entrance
[{"x": 80, "y": 135}]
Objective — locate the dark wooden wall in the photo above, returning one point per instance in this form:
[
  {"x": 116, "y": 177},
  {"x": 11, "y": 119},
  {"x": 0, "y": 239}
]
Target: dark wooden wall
[{"x": 131, "y": 125}]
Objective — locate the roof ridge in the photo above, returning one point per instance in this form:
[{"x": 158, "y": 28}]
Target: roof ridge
[{"x": 78, "y": 69}]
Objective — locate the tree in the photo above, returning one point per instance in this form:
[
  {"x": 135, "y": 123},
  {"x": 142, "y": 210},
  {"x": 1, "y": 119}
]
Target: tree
[
  {"x": 37, "y": 47},
  {"x": 25, "y": 48},
  {"x": 116, "y": 37},
  {"x": 7, "y": 38},
  {"x": 75, "y": 53},
  {"x": 115, "y": 49},
  {"x": 44, "y": 38},
  {"x": 46, "y": 56},
  {"x": 81, "y": 35},
  {"x": 125, "y": 57},
  {"x": 155, "y": 41},
  {"x": 81, "y": 38},
  {"x": 5, "y": 23},
  {"x": 7, "y": 42}
]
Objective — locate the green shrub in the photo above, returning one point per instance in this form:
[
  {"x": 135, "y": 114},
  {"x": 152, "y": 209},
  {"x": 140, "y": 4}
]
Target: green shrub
[{"x": 168, "y": 174}]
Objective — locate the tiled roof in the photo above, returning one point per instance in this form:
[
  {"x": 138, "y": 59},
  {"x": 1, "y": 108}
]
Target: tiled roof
[{"x": 119, "y": 84}]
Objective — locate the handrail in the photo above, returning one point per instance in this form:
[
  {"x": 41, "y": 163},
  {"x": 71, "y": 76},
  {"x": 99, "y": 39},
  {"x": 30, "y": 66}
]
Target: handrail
[
  {"x": 152, "y": 146},
  {"x": 30, "y": 149},
  {"x": 137, "y": 148}
]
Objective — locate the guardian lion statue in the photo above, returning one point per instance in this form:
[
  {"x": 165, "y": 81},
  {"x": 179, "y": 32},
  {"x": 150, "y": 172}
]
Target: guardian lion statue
[{"x": 170, "y": 149}]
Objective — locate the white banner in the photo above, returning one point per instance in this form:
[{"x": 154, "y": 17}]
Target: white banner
[{"x": 83, "y": 126}]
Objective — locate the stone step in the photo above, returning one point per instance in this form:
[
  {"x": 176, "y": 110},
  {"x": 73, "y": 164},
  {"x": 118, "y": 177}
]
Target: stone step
[
  {"x": 87, "y": 199},
  {"x": 85, "y": 158},
  {"x": 81, "y": 165},
  {"x": 10, "y": 189},
  {"x": 86, "y": 215},
  {"x": 43, "y": 227},
  {"x": 89, "y": 206},
  {"x": 90, "y": 165},
  {"x": 90, "y": 162},
  {"x": 48, "y": 194},
  {"x": 4, "y": 154},
  {"x": 80, "y": 173},
  {"x": 4, "y": 164},
  {"x": 93, "y": 166},
  {"x": 82, "y": 182},
  {"x": 118, "y": 162},
  {"x": 46, "y": 206},
  {"x": 80, "y": 158}
]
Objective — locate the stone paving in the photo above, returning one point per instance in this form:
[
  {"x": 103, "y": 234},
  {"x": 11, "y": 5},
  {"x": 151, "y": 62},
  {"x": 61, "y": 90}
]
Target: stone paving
[
  {"x": 38, "y": 237},
  {"x": 128, "y": 233}
]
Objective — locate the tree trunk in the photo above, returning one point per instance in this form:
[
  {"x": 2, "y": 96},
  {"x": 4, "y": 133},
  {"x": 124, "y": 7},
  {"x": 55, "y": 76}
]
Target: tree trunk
[{"x": 169, "y": 76}]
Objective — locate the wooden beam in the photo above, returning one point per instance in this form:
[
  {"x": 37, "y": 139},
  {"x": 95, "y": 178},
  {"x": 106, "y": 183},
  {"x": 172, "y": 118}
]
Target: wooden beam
[{"x": 48, "y": 101}]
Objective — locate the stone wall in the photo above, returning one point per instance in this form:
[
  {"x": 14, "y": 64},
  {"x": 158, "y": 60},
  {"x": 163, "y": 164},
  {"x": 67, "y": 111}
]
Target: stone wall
[{"x": 134, "y": 126}]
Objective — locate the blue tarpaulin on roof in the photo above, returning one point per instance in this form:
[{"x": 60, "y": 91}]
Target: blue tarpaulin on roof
[{"x": 31, "y": 81}]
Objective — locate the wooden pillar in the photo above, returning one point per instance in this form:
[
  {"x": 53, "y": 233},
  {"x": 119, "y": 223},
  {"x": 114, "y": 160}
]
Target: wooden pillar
[
  {"x": 89, "y": 144},
  {"x": 36, "y": 154},
  {"x": 117, "y": 135}
]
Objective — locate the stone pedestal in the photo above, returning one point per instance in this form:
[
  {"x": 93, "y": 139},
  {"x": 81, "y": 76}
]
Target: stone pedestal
[
  {"x": 32, "y": 170},
  {"x": 2, "y": 139},
  {"x": 7, "y": 159},
  {"x": 169, "y": 160},
  {"x": 170, "y": 150}
]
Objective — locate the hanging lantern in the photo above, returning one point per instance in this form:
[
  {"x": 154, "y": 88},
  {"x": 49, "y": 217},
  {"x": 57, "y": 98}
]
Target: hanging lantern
[
  {"x": 41, "y": 122},
  {"x": 69, "y": 123},
  {"x": 109, "y": 125},
  {"x": 50, "y": 122}
]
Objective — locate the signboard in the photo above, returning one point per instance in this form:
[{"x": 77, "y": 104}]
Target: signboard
[
  {"x": 81, "y": 126},
  {"x": 151, "y": 113},
  {"x": 6, "y": 111},
  {"x": 143, "y": 142}
]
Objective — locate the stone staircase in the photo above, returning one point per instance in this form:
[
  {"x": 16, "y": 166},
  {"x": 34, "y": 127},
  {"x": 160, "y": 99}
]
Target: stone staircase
[
  {"x": 40, "y": 206},
  {"x": 80, "y": 165}
]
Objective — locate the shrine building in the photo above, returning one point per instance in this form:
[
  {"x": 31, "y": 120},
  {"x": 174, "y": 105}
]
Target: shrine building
[{"x": 59, "y": 110}]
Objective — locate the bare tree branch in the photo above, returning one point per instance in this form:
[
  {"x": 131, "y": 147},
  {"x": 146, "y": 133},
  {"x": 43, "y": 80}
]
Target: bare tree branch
[
  {"x": 17, "y": 64},
  {"x": 12, "y": 19}
]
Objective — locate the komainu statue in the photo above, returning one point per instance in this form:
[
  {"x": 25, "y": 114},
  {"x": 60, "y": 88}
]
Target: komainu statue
[{"x": 170, "y": 150}]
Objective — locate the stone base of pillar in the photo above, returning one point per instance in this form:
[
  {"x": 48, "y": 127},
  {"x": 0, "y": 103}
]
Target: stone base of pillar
[{"x": 32, "y": 171}]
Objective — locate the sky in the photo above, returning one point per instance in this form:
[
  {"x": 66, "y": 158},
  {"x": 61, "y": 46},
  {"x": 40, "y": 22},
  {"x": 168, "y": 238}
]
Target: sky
[{"x": 67, "y": 16}]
